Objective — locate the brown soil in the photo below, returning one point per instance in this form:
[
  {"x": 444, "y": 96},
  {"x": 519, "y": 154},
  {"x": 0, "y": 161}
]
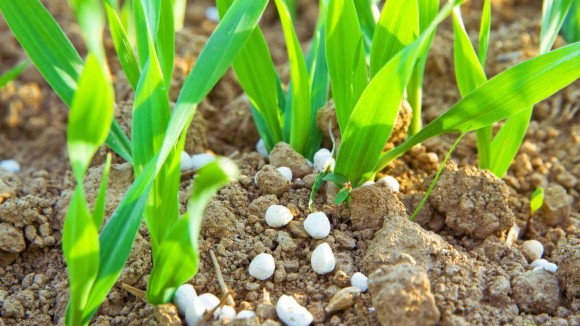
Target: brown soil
[{"x": 455, "y": 265}]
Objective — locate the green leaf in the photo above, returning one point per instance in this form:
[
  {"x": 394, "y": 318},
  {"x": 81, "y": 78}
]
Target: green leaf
[
  {"x": 505, "y": 95},
  {"x": 46, "y": 45},
  {"x": 484, "y": 31},
  {"x": 319, "y": 80},
  {"x": 100, "y": 203},
  {"x": 346, "y": 58},
  {"x": 553, "y": 14},
  {"x": 336, "y": 178},
  {"x": 342, "y": 195},
  {"x": 13, "y": 73},
  {"x": 89, "y": 14},
  {"x": 90, "y": 117},
  {"x": 537, "y": 200},
  {"x": 259, "y": 82},
  {"x": 119, "y": 233},
  {"x": 372, "y": 119},
  {"x": 571, "y": 27},
  {"x": 122, "y": 46},
  {"x": 165, "y": 41},
  {"x": 151, "y": 113},
  {"x": 177, "y": 259},
  {"x": 398, "y": 27},
  {"x": 80, "y": 245},
  {"x": 469, "y": 73},
  {"x": 92, "y": 102},
  {"x": 300, "y": 112},
  {"x": 365, "y": 10},
  {"x": 508, "y": 140},
  {"x": 146, "y": 14},
  {"x": 53, "y": 55},
  {"x": 427, "y": 12}
]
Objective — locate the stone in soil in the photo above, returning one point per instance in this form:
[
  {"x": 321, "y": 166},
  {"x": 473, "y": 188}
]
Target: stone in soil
[
  {"x": 474, "y": 202},
  {"x": 284, "y": 155},
  {"x": 536, "y": 292},
  {"x": 271, "y": 182},
  {"x": 402, "y": 295},
  {"x": 371, "y": 205}
]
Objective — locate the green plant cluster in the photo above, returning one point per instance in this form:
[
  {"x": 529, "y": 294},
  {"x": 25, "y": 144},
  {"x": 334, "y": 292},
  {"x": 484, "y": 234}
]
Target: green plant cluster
[{"x": 367, "y": 61}]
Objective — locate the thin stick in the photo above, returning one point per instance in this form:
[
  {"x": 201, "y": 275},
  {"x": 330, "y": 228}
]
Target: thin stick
[
  {"x": 135, "y": 291},
  {"x": 218, "y": 272}
]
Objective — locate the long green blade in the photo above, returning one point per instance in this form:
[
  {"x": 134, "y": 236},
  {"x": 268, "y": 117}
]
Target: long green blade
[
  {"x": 427, "y": 12},
  {"x": 13, "y": 73},
  {"x": 508, "y": 140},
  {"x": 90, "y": 117},
  {"x": 398, "y": 27},
  {"x": 319, "y": 80},
  {"x": 151, "y": 113},
  {"x": 299, "y": 114},
  {"x": 484, "y": 32},
  {"x": 259, "y": 82},
  {"x": 122, "y": 46},
  {"x": 469, "y": 73},
  {"x": 368, "y": 23},
  {"x": 507, "y": 94},
  {"x": 118, "y": 235},
  {"x": 553, "y": 14},
  {"x": 571, "y": 27},
  {"x": 346, "y": 58},
  {"x": 53, "y": 55},
  {"x": 169, "y": 273},
  {"x": 373, "y": 118}
]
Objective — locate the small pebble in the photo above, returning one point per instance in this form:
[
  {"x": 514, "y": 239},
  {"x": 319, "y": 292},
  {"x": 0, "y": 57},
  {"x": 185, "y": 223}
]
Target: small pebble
[
  {"x": 323, "y": 159},
  {"x": 244, "y": 314},
  {"x": 512, "y": 235},
  {"x": 185, "y": 161},
  {"x": 542, "y": 263},
  {"x": 278, "y": 216},
  {"x": 317, "y": 225},
  {"x": 343, "y": 299},
  {"x": 322, "y": 259},
  {"x": 227, "y": 314},
  {"x": 184, "y": 297},
  {"x": 212, "y": 14},
  {"x": 532, "y": 249},
  {"x": 10, "y": 166},
  {"x": 291, "y": 313},
  {"x": 261, "y": 148},
  {"x": 201, "y": 304},
  {"x": 200, "y": 160},
  {"x": 360, "y": 281},
  {"x": 391, "y": 182},
  {"x": 286, "y": 172},
  {"x": 368, "y": 183},
  {"x": 262, "y": 266}
]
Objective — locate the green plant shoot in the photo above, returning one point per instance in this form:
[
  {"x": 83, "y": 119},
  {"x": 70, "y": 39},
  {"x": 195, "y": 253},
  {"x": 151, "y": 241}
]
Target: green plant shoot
[{"x": 537, "y": 200}]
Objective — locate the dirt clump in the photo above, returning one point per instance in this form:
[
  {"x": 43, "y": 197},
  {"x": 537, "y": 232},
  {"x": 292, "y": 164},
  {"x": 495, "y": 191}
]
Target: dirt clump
[
  {"x": 231, "y": 127},
  {"x": 402, "y": 295},
  {"x": 568, "y": 269},
  {"x": 270, "y": 181},
  {"x": 473, "y": 201},
  {"x": 536, "y": 291},
  {"x": 284, "y": 155},
  {"x": 218, "y": 221},
  {"x": 371, "y": 205},
  {"x": 556, "y": 208},
  {"x": 400, "y": 240}
]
